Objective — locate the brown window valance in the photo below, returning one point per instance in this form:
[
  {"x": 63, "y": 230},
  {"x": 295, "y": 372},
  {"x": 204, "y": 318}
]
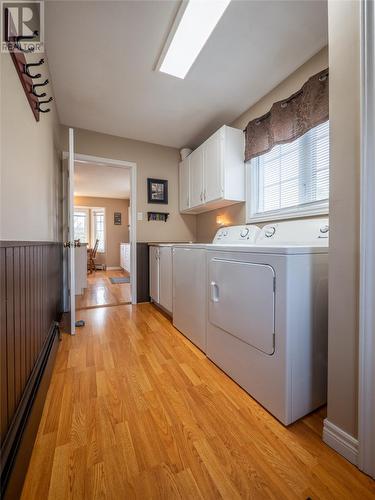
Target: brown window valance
[{"x": 290, "y": 118}]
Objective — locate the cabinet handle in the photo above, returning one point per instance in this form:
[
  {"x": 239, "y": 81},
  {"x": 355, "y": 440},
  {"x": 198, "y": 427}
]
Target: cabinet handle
[
  {"x": 201, "y": 196},
  {"x": 214, "y": 292},
  {"x": 204, "y": 196}
]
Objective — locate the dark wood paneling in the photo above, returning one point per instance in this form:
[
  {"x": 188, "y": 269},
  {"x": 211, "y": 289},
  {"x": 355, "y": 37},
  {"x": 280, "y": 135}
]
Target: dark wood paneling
[
  {"x": 3, "y": 347},
  {"x": 30, "y": 301},
  {"x": 143, "y": 294}
]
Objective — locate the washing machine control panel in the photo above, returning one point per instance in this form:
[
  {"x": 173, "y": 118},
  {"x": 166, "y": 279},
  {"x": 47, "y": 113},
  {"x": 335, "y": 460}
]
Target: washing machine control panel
[
  {"x": 298, "y": 232},
  {"x": 233, "y": 235}
]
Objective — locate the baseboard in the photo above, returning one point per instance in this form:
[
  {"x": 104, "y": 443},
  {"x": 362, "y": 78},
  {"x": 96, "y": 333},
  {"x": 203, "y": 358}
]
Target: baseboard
[
  {"x": 114, "y": 268},
  {"x": 342, "y": 442}
]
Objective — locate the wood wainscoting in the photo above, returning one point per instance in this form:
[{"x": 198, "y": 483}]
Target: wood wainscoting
[{"x": 30, "y": 293}]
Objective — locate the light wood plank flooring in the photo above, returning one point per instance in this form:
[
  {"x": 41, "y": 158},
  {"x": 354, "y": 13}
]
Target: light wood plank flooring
[
  {"x": 101, "y": 292},
  {"x": 134, "y": 410}
]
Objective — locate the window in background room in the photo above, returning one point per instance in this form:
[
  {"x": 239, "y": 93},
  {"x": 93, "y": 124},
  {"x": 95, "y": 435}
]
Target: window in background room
[
  {"x": 98, "y": 228},
  {"x": 292, "y": 179},
  {"x": 81, "y": 225}
]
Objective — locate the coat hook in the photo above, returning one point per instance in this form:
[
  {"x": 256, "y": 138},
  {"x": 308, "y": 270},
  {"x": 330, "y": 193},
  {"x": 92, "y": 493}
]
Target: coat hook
[
  {"x": 34, "y": 86},
  {"x": 43, "y": 110},
  {"x": 25, "y": 37},
  {"x": 43, "y": 94},
  {"x": 21, "y": 49},
  {"x": 44, "y": 102},
  {"x": 30, "y": 65}
]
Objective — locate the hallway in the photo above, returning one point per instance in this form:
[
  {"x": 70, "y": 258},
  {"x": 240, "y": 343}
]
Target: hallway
[
  {"x": 102, "y": 292},
  {"x": 134, "y": 410}
]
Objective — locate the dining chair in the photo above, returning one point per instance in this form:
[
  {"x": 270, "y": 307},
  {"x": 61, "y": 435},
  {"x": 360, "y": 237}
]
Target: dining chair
[{"x": 92, "y": 256}]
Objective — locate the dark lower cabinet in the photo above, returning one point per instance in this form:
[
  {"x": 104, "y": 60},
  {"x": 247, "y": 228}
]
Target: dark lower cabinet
[
  {"x": 30, "y": 302},
  {"x": 143, "y": 291}
]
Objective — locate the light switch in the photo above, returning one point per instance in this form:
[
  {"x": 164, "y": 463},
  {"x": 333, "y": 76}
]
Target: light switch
[{"x": 139, "y": 215}]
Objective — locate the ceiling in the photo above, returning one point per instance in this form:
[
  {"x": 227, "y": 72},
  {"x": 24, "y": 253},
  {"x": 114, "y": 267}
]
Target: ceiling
[
  {"x": 102, "y": 57},
  {"x": 101, "y": 181}
]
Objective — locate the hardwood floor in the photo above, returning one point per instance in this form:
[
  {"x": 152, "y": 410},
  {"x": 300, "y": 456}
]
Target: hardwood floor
[
  {"x": 134, "y": 410},
  {"x": 101, "y": 292}
]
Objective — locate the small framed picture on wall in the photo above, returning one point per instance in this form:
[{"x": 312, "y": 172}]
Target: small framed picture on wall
[
  {"x": 157, "y": 191},
  {"x": 117, "y": 218}
]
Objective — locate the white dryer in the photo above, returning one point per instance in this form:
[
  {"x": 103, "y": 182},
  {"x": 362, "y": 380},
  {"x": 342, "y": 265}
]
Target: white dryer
[
  {"x": 190, "y": 278},
  {"x": 267, "y": 315}
]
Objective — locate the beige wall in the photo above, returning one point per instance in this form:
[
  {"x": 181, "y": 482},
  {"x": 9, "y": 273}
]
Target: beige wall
[
  {"x": 152, "y": 161},
  {"x": 206, "y": 223},
  {"x": 344, "y": 64},
  {"x": 30, "y": 166},
  {"x": 115, "y": 234}
]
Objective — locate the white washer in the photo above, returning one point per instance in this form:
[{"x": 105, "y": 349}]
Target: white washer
[
  {"x": 267, "y": 315},
  {"x": 190, "y": 278}
]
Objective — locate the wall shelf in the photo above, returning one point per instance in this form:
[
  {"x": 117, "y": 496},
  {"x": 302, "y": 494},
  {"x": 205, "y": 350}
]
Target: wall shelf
[{"x": 157, "y": 216}]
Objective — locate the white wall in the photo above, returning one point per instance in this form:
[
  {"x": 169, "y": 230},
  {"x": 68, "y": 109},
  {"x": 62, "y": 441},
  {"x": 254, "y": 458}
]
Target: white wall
[
  {"x": 236, "y": 214},
  {"x": 29, "y": 170},
  {"x": 153, "y": 161},
  {"x": 344, "y": 81}
]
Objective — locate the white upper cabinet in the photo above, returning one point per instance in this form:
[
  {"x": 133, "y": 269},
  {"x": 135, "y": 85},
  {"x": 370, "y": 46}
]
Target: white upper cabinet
[
  {"x": 213, "y": 168},
  {"x": 184, "y": 193},
  {"x": 196, "y": 177},
  {"x": 216, "y": 173}
]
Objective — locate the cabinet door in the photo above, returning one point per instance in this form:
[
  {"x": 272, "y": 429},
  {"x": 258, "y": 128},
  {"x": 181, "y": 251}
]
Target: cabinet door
[
  {"x": 122, "y": 262},
  {"x": 127, "y": 257},
  {"x": 196, "y": 177},
  {"x": 213, "y": 168},
  {"x": 154, "y": 273},
  {"x": 184, "y": 194},
  {"x": 165, "y": 278}
]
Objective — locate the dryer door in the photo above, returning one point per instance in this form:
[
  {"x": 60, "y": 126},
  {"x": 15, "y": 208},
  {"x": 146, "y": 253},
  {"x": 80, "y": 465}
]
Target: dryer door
[{"x": 242, "y": 301}]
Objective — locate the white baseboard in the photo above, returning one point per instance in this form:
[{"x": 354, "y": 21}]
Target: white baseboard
[
  {"x": 113, "y": 268},
  {"x": 341, "y": 441}
]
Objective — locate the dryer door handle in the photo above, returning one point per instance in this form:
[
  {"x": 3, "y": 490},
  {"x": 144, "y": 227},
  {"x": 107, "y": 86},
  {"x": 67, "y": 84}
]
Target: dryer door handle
[{"x": 214, "y": 292}]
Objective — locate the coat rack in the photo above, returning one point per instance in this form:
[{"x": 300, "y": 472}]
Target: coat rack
[{"x": 27, "y": 72}]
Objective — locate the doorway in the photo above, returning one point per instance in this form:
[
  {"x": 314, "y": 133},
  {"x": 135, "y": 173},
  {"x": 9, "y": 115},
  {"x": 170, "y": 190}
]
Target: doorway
[
  {"x": 104, "y": 214},
  {"x": 91, "y": 271},
  {"x": 102, "y": 198}
]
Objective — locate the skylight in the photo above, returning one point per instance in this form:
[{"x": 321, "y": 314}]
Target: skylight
[{"x": 193, "y": 26}]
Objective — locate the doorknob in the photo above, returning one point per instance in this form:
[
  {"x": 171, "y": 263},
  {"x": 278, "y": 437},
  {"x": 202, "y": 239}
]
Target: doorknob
[{"x": 67, "y": 244}]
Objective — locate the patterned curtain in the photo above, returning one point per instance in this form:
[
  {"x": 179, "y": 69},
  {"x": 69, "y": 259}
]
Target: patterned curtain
[{"x": 290, "y": 118}]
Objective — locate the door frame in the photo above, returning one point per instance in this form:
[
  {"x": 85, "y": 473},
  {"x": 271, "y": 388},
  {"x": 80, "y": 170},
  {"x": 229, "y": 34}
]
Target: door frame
[
  {"x": 366, "y": 393},
  {"x": 132, "y": 167}
]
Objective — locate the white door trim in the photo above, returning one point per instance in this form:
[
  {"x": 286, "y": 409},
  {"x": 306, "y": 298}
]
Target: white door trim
[
  {"x": 366, "y": 400},
  {"x": 132, "y": 166},
  {"x": 71, "y": 258}
]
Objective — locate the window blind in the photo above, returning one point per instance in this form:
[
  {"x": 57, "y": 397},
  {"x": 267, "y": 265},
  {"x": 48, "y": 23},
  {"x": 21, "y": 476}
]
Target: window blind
[
  {"x": 81, "y": 226},
  {"x": 99, "y": 229},
  {"x": 295, "y": 174}
]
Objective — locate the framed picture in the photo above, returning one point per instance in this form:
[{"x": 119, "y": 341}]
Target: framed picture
[
  {"x": 117, "y": 218},
  {"x": 157, "y": 191}
]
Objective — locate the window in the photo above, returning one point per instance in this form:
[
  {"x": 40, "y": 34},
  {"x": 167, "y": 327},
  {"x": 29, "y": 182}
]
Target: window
[
  {"x": 98, "y": 229},
  {"x": 81, "y": 227},
  {"x": 292, "y": 179}
]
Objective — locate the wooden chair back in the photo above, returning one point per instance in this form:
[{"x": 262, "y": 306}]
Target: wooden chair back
[{"x": 95, "y": 249}]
